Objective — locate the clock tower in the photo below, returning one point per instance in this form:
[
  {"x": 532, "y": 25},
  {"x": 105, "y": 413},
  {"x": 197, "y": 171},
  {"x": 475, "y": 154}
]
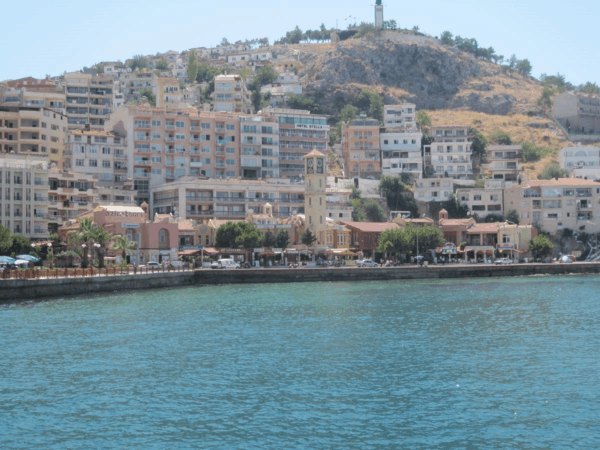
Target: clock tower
[
  {"x": 315, "y": 189},
  {"x": 378, "y": 15}
]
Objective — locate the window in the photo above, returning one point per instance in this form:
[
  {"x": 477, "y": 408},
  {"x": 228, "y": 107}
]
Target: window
[
  {"x": 230, "y": 127},
  {"x": 93, "y": 150},
  {"x": 93, "y": 163},
  {"x": 230, "y": 162},
  {"x": 156, "y": 159},
  {"x": 180, "y": 137},
  {"x": 156, "y": 135},
  {"x": 79, "y": 162},
  {"x": 105, "y": 151},
  {"x": 163, "y": 236},
  {"x": 205, "y": 149},
  {"x": 156, "y": 123},
  {"x": 156, "y": 171},
  {"x": 157, "y": 148},
  {"x": 230, "y": 150},
  {"x": 477, "y": 198},
  {"x": 205, "y": 126},
  {"x": 106, "y": 164},
  {"x": 180, "y": 124}
]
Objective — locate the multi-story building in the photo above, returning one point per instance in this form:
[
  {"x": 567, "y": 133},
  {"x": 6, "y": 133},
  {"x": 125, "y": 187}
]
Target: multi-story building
[
  {"x": 193, "y": 198},
  {"x": 434, "y": 189},
  {"x": 259, "y": 136},
  {"x": 231, "y": 95},
  {"x": 482, "y": 201},
  {"x": 401, "y": 153},
  {"x": 300, "y": 132},
  {"x": 578, "y": 112},
  {"x": 28, "y": 130},
  {"x": 164, "y": 144},
  {"x": 315, "y": 197},
  {"x": 339, "y": 207},
  {"x": 133, "y": 84},
  {"x": 361, "y": 148},
  {"x": 50, "y": 96},
  {"x": 402, "y": 117},
  {"x": 558, "y": 204},
  {"x": 98, "y": 153},
  {"x": 70, "y": 195},
  {"x": 580, "y": 161},
  {"x": 90, "y": 99},
  {"x": 504, "y": 163},
  {"x": 169, "y": 95},
  {"x": 24, "y": 195},
  {"x": 450, "y": 153}
]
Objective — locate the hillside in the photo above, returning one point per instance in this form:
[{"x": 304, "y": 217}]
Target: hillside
[{"x": 405, "y": 67}]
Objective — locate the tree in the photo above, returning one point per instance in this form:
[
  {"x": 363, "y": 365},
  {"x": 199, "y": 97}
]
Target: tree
[
  {"x": 308, "y": 238},
  {"x": 501, "y": 138},
  {"x": 356, "y": 193},
  {"x": 297, "y": 102},
  {"x": 149, "y": 96},
  {"x": 395, "y": 192},
  {"x": 224, "y": 42},
  {"x": 512, "y": 216},
  {"x": 282, "y": 239},
  {"x": 479, "y": 142},
  {"x": 447, "y": 38},
  {"x": 138, "y": 62},
  {"x": 376, "y": 106},
  {"x": 590, "y": 88},
  {"x": 207, "y": 73},
  {"x": 6, "y": 238},
  {"x": 162, "y": 65},
  {"x": 524, "y": 67},
  {"x": 423, "y": 119},
  {"x": 541, "y": 246},
  {"x": 123, "y": 245},
  {"x": 456, "y": 209},
  {"x": 348, "y": 113},
  {"x": 84, "y": 237},
  {"x": 553, "y": 170},
  {"x": 238, "y": 234},
  {"x": 256, "y": 99},
  {"x": 192, "y": 69},
  {"x": 265, "y": 75},
  {"x": 545, "y": 100},
  {"x": 373, "y": 211},
  {"x": 406, "y": 238},
  {"x": 269, "y": 240},
  {"x": 530, "y": 152},
  {"x": 101, "y": 237}
]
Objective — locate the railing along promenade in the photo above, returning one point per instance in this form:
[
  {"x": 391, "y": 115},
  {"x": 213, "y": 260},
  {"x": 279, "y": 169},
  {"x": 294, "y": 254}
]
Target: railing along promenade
[{"x": 23, "y": 274}]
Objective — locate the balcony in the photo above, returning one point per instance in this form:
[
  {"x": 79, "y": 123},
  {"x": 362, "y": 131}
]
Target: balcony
[{"x": 195, "y": 164}]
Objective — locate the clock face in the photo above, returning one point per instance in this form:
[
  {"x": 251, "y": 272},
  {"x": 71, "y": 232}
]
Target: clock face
[
  {"x": 310, "y": 163},
  {"x": 309, "y": 167},
  {"x": 319, "y": 162}
]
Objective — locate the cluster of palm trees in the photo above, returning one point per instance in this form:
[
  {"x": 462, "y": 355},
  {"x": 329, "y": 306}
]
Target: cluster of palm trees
[{"x": 91, "y": 236}]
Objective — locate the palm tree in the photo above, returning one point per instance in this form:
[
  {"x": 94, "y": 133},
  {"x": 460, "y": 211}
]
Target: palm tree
[
  {"x": 102, "y": 238},
  {"x": 123, "y": 245},
  {"x": 85, "y": 237}
]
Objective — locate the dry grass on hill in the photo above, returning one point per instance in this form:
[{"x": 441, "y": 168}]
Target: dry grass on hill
[{"x": 516, "y": 126}]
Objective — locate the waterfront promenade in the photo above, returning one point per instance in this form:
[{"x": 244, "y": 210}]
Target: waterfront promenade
[{"x": 22, "y": 288}]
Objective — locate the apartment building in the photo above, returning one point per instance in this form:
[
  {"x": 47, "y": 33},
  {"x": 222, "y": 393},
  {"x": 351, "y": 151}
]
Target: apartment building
[
  {"x": 578, "y": 112},
  {"x": 90, "y": 99},
  {"x": 24, "y": 195},
  {"x": 482, "y": 201},
  {"x": 28, "y": 130},
  {"x": 193, "y": 198},
  {"x": 164, "y": 144},
  {"x": 361, "y": 148},
  {"x": 169, "y": 95},
  {"x": 339, "y": 207},
  {"x": 259, "y": 136},
  {"x": 37, "y": 96},
  {"x": 450, "y": 153},
  {"x": 231, "y": 95},
  {"x": 433, "y": 189},
  {"x": 300, "y": 132},
  {"x": 558, "y": 204},
  {"x": 98, "y": 153},
  {"x": 504, "y": 163},
  {"x": 402, "y": 117},
  {"x": 580, "y": 161},
  {"x": 132, "y": 84},
  {"x": 401, "y": 153}
]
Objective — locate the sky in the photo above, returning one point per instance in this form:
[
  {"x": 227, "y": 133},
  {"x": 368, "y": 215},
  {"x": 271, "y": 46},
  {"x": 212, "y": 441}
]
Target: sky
[{"x": 43, "y": 37}]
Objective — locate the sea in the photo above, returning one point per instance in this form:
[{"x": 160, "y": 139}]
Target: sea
[{"x": 442, "y": 364}]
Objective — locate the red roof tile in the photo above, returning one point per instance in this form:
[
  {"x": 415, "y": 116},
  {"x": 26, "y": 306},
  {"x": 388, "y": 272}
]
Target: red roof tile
[{"x": 371, "y": 227}]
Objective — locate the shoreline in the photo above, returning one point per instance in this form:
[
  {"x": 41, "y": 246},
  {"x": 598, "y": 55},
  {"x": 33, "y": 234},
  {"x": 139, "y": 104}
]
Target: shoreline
[{"x": 31, "y": 289}]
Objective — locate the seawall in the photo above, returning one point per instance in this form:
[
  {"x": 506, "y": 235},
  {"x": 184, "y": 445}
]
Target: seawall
[{"x": 35, "y": 288}]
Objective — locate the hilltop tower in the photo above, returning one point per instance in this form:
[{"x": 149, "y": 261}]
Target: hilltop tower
[
  {"x": 315, "y": 193},
  {"x": 378, "y": 15}
]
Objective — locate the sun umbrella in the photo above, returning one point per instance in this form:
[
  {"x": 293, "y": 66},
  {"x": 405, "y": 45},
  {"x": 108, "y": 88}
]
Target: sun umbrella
[
  {"x": 28, "y": 258},
  {"x": 21, "y": 262},
  {"x": 7, "y": 260}
]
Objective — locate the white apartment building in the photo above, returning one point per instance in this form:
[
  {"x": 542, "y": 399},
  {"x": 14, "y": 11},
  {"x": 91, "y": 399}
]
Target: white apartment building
[
  {"x": 98, "y": 153},
  {"x": 49, "y": 97},
  {"x": 580, "y": 161},
  {"x": 192, "y": 198},
  {"x": 433, "y": 189},
  {"x": 402, "y": 116},
  {"x": 450, "y": 154},
  {"x": 482, "y": 201},
  {"x": 504, "y": 163},
  {"x": 338, "y": 203},
  {"x": 401, "y": 153},
  {"x": 90, "y": 99},
  {"x": 231, "y": 95},
  {"x": 133, "y": 84},
  {"x": 259, "y": 138},
  {"x": 24, "y": 195}
]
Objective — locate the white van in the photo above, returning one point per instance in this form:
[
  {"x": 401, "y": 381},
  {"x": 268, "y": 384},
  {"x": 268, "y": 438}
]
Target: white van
[{"x": 225, "y": 263}]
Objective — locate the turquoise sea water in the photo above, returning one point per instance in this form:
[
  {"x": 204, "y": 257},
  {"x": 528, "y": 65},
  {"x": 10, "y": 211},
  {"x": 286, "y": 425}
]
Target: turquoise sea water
[{"x": 500, "y": 363}]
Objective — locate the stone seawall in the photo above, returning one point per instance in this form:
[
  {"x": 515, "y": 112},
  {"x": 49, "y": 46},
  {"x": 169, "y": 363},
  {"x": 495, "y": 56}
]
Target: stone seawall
[{"x": 35, "y": 288}]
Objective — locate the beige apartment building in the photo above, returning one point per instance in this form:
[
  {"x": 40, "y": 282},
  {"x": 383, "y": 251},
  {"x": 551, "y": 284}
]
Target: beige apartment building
[
  {"x": 36, "y": 96},
  {"x": 132, "y": 84},
  {"x": 259, "y": 136},
  {"x": 98, "y": 153},
  {"x": 300, "y": 132},
  {"x": 482, "y": 201},
  {"x": 504, "y": 163},
  {"x": 361, "y": 148},
  {"x": 169, "y": 94},
  {"x": 164, "y": 144},
  {"x": 231, "y": 95},
  {"x": 578, "y": 112},
  {"x": 450, "y": 153},
  {"x": 90, "y": 99},
  {"x": 202, "y": 199},
  {"x": 37, "y": 131},
  {"x": 558, "y": 204},
  {"x": 24, "y": 195},
  {"x": 402, "y": 117}
]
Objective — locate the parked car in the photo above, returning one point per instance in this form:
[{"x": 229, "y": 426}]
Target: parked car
[
  {"x": 366, "y": 263},
  {"x": 225, "y": 263},
  {"x": 500, "y": 261},
  {"x": 153, "y": 265}
]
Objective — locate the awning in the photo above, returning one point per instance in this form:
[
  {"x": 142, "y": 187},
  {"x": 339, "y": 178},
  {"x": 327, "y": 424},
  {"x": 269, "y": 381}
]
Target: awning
[
  {"x": 188, "y": 252},
  {"x": 211, "y": 250},
  {"x": 267, "y": 254},
  {"x": 340, "y": 252}
]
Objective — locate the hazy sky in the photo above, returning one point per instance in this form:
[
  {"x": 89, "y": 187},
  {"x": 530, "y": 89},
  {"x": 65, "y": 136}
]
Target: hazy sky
[{"x": 49, "y": 37}]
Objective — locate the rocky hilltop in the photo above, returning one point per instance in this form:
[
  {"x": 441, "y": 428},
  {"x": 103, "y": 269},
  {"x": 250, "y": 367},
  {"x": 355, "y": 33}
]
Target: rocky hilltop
[{"x": 419, "y": 69}]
